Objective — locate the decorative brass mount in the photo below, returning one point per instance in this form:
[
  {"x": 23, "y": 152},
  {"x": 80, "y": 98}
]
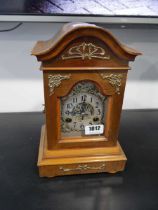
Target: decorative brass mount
[
  {"x": 54, "y": 80},
  {"x": 83, "y": 168},
  {"x": 114, "y": 80},
  {"x": 85, "y": 50}
]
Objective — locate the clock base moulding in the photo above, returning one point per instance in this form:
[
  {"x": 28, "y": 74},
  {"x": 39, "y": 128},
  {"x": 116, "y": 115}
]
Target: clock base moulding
[{"x": 71, "y": 161}]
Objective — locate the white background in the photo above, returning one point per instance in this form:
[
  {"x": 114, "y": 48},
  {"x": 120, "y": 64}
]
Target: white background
[{"x": 21, "y": 88}]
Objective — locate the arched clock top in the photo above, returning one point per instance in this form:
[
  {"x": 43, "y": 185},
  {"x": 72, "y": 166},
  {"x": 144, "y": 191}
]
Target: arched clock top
[{"x": 46, "y": 50}]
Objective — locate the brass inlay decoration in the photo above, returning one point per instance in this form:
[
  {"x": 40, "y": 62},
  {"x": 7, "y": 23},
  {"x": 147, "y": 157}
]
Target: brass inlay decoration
[
  {"x": 114, "y": 80},
  {"x": 83, "y": 168},
  {"x": 86, "y": 50},
  {"x": 54, "y": 80}
]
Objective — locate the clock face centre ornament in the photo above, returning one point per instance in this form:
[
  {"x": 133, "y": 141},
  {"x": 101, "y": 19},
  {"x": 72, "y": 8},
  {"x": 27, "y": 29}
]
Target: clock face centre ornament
[{"x": 84, "y": 73}]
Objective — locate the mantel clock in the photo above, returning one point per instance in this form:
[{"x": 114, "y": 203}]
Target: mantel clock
[{"x": 84, "y": 71}]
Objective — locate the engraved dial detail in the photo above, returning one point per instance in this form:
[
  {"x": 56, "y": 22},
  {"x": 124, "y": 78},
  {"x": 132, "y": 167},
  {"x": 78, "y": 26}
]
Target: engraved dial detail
[{"x": 83, "y": 106}]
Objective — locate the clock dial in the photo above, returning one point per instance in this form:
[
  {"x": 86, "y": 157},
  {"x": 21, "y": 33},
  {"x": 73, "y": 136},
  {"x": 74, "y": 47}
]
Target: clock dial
[{"x": 83, "y": 106}]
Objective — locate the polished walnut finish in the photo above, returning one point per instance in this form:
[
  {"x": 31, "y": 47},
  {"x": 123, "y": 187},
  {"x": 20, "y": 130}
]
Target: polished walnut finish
[{"x": 82, "y": 52}]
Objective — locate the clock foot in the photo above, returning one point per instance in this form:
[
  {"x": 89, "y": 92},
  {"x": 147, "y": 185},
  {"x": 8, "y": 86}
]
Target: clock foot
[{"x": 50, "y": 164}]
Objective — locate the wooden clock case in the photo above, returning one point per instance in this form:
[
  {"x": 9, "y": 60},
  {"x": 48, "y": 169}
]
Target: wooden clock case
[{"x": 82, "y": 52}]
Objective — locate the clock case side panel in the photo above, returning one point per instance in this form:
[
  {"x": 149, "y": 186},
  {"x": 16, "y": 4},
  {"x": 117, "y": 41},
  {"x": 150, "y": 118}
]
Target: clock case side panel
[{"x": 52, "y": 103}]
